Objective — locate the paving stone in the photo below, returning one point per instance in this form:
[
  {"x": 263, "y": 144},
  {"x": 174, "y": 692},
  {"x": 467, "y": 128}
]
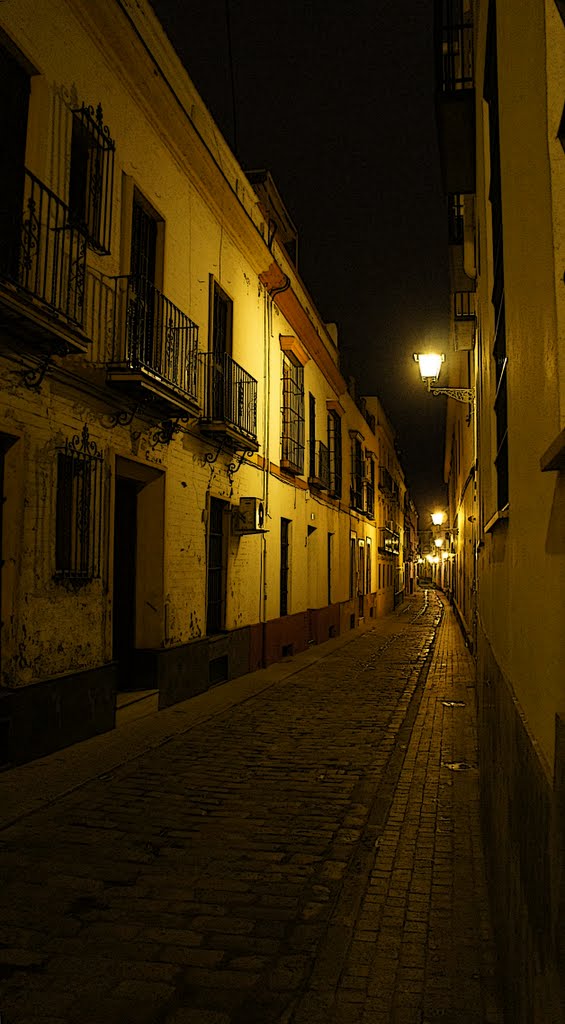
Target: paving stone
[{"x": 301, "y": 855}]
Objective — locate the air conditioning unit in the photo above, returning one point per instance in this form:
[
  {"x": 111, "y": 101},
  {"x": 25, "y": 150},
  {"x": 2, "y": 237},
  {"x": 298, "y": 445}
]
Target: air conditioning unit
[{"x": 249, "y": 516}]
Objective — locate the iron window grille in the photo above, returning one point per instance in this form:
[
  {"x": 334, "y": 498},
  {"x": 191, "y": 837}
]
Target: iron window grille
[
  {"x": 78, "y": 510},
  {"x": 369, "y": 485},
  {"x": 91, "y": 182},
  {"x": 357, "y": 476},
  {"x": 335, "y": 453},
  {"x": 292, "y": 440},
  {"x": 319, "y": 465}
]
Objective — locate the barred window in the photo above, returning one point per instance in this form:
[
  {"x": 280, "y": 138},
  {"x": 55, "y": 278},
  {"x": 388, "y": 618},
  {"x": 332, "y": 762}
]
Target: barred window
[
  {"x": 334, "y": 444},
  {"x": 78, "y": 510},
  {"x": 357, "y": 475},
  {"x": 292, "y": 440},
  {"x": 91, "y": 177}
]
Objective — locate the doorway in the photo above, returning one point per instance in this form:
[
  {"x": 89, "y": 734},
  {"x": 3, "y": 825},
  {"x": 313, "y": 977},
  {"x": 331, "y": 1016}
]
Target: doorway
[
  {"x": 125, "y": 565},
  {"x": 138, "y": 575}
]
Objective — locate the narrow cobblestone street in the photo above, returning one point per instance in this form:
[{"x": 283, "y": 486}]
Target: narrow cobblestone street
[{"x": 296, "y": 847}]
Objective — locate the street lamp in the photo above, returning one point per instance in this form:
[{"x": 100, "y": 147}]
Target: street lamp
[
  {"x": 430, "y": 366},
  {"x": 438, "y": 542},
  {"x": 438, "y": 518}
]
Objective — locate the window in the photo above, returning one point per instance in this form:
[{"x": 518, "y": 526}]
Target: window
[
  {"x": 285, "y": 565},
  {"x": 220, "y": 392},
  {"x": 292, "y": 455},
  {"x": 352, "y": 566},
  {"x": 78, "y": 518},
  {"x": 143, "y": 337},
  {"x": 369, "y": 505},
  {"x": 330, "y": 568},
  {"x": 335, "y": 449},
  {"x": 495, "y": 196},
  {"x": 91, "y": 177},
  {"x": 13, "y": 116},
  {"x": 357, "y": 474},
  {"x": 216, "y": 579},
  {"x": 312, "y": 435},
  {"x": 369, "y": 587},
  {"x": 455, "y": 219}
]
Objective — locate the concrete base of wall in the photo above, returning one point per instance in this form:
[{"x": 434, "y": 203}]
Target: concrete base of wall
[
  {"x": 523, "y": 817},
  {"x": 38, "y": 719},
  {"x": 185, "y": 671}
]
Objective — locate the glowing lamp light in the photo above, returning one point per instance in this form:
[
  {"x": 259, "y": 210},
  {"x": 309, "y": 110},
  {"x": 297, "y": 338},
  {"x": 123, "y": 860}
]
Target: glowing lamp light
[
  {"x": 438, "y": 542},
  {"x": 438, "y": 518},
  {"x": 429, "y": 364}
]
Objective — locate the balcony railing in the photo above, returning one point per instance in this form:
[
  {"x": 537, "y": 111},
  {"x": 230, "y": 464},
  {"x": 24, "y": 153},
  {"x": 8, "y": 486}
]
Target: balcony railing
[
  {"x": 389, "y": 543},
  {"x": 153, "y": 338},
  {"x": 230, "y": 396},
  {"x": 43, "y": 254},
  {"x": 319, "y": 465},
  {"x": 464, "y": 305},
  {"x": 455, "y": 57}
]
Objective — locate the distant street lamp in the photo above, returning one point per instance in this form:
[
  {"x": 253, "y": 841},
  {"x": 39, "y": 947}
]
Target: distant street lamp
[
  {"x": 438, "y": 518},
  {"x": 430, "y": 366},
  {"x": 438, "y": 542}
]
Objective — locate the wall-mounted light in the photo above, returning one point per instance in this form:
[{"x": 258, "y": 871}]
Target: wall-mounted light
[
  {"x": 438, "y": 518},
  {"x": 429, "y": 364},
  {"x": 438, "y": 542}
]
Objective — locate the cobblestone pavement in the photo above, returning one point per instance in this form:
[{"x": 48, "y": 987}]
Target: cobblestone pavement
[{"x": 306, "y": 850}]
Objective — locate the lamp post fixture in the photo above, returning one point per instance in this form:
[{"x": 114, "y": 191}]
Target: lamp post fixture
[
  {"x": 438, "y": 518},
  {"x": 430, "y": 365}
]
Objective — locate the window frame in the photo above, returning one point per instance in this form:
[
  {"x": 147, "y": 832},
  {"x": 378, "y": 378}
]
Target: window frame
[
  {"x": 91, "y": 177},
  {"x": 293, "y": 416},
  {"x": 78, "y": 511}
]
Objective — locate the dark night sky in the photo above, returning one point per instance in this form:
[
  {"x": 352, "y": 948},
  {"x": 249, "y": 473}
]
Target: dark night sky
[{"x": 336, "y": 100}]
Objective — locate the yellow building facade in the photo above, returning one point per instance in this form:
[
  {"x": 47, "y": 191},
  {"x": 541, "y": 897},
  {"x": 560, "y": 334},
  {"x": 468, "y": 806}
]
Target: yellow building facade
[
  {"x": 191, "y": 489},
  {"x": 501, "y": 96}
]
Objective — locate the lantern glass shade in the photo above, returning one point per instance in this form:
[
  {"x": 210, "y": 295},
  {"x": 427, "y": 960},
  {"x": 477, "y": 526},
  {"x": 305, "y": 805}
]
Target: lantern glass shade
[
  {"x": 438, "y": 518},
  {"x": 430, "y": 364},
  {"x": 438, "y": 542}
]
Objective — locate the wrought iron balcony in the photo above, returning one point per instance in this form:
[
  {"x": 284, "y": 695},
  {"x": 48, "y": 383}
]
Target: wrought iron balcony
[
  {"x": 154, "y": 348},
  {"x": 389, "y": 542},
  {"x": 455, "y": 95},
  {"x": 230, "y": 402},
  {"x": 319, "y": 475},
  {"x": 42, "y": 269}
]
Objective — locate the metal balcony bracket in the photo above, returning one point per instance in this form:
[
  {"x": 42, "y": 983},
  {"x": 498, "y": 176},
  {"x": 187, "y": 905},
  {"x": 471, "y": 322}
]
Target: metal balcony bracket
[
  {"x": 33, "y": 379},
  {"x": 167, "y": 429},
  {"x": 122, "y": 418},
  {"x": 234, "y": 467},
  {"x": 211, "y": 457},
  {"x": 466, "y": 395}
]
